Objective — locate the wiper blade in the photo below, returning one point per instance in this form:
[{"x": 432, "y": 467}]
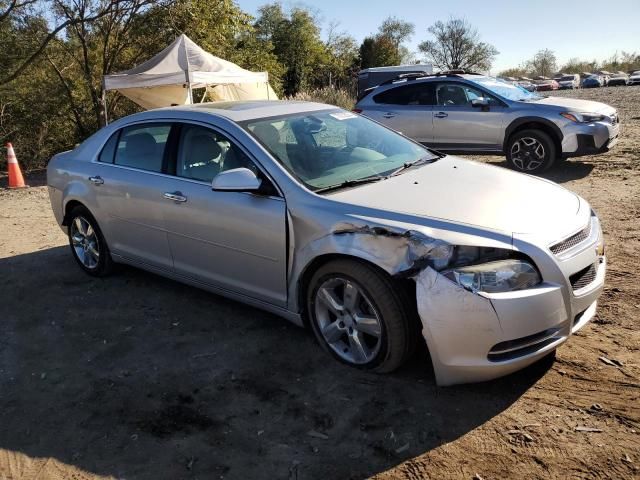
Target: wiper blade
[
  {"x": 420, "y": 161},
  {"x": 350, "y": 183}
]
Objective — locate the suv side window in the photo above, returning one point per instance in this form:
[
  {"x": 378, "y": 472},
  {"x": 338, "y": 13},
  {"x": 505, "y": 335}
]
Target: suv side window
[
  {"x": 203, "y": 153},
  {"x": 143, "y": 146},
  {"x": 458, "y": 95},
  {"x": 414, "y": 94}
]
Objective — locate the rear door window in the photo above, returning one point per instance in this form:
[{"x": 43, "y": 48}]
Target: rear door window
[
  {"x": 143, "y": 146},
  {"x": 413, "y": 94}
]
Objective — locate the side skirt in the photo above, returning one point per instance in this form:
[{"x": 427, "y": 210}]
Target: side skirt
[{"x": 282, "y": 312}]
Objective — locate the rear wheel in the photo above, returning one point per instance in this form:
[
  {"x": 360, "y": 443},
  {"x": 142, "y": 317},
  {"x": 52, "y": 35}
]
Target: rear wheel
[
  {"x": 359, "y": 317},
  {"x": 87, "y": 243},
  {"x": 531, "y": 151}
]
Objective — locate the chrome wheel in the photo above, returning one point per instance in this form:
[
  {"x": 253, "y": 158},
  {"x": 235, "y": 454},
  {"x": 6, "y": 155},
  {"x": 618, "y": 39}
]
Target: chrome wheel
[
  {"x": 85, "y": 242},
  {"x": 348, "y": 321},
  {"x": 527, "y": 153}
]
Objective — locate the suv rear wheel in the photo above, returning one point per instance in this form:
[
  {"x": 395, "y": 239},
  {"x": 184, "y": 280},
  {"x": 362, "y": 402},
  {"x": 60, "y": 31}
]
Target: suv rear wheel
[{"x": 531, "y": 151}]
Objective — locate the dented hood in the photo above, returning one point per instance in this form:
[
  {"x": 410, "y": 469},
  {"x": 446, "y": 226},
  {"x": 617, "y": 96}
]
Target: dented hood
[{"x": 466, "y": 192}]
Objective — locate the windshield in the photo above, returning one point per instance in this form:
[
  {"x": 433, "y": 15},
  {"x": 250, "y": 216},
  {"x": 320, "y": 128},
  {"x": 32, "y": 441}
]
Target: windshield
[
  {"x": 505, "y": 90},
  {"x": 328, "y": 148},
  {"x": 569, "y": 78}
]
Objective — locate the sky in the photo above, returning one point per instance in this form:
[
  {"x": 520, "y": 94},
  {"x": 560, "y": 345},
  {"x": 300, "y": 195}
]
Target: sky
[{"x": 586, "y": 29}]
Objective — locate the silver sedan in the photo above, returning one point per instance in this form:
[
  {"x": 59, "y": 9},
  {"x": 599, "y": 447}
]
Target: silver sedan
[{"x": 339, "y": 224}]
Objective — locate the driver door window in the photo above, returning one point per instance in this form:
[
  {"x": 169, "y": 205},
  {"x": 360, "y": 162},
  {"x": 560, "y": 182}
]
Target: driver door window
[
  {"x": 203, "y": 153},
  {"x": 457, "y": 95}
]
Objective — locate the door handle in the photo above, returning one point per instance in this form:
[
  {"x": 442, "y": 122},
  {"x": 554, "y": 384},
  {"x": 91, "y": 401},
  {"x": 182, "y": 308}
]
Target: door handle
[
  {"x": 175, "y": 196},
  {"x": 97, "y": 180},
  {"x": 441, "y": 115},
  {"x": 389, "y": 115}
]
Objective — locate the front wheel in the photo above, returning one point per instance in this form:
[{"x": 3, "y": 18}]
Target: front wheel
[
  {"x": 531, "y": 151},
  {"x": 87, "y": 243},
  {"x": 359, "y": 316}
]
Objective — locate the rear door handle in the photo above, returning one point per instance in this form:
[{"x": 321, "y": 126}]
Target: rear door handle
[
  {"x": 441, "y": 115},
  {"x": 175, "y": 196},
  {"x": 97, "y": 180},
  {"x": 389, "y": 115}
]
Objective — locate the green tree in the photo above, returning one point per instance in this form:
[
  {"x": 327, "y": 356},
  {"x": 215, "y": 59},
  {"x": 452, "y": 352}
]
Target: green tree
[
  {"x": 543, "y": 63},
  {"x": 397, "y": 31},
  {"x": 297, "y": 45},
  {"x": 456, "y": 45}
]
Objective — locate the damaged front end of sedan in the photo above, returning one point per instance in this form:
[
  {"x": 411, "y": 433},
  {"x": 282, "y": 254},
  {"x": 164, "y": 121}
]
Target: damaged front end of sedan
[{"x": 453, "y": 288}]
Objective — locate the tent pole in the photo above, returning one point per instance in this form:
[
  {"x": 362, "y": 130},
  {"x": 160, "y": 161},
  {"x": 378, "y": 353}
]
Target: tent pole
[{"x": 188, "y": 72}]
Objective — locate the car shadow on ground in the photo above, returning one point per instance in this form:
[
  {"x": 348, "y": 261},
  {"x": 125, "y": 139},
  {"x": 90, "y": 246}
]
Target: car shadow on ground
[{"x": 140, "y": 377}]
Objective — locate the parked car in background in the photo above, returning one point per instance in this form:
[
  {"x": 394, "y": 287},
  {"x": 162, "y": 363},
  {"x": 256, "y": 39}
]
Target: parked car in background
[
  {"x": 605, "y": 75},
  {"x": 546, "y": 84},
  {"x": 593, "y": 81},
  {"x": 471, "y": 113},
  {"x": 619, "y": 79},
  {"x": 634, "y": 78},
  {"x": 337, "y": 223},
  {"x": 527, "y": 85},
  {"x": 569, "y": 81}
]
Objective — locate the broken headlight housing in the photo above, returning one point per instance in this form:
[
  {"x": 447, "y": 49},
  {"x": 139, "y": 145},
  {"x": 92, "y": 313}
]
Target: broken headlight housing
[
  {"x": 490, "y": 270},
  {"x": 498, "y": 276}
]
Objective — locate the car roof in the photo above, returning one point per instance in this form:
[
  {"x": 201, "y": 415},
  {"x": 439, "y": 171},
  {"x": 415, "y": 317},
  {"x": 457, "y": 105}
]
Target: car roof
[{"x": 239, "y": 111}]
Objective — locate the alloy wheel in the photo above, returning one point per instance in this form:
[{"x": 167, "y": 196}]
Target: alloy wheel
[
  {"x": 348, "y": 320},
  {"x": 85, "y": 242},
  {"x": 527, "y": 153}
]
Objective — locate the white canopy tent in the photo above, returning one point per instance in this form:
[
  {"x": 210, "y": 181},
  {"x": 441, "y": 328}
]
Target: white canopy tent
[{"x": 169, "y": 78}]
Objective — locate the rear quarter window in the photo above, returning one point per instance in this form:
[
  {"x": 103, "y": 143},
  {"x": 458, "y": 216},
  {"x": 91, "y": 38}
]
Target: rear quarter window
[{"x": 109, "y": 149}]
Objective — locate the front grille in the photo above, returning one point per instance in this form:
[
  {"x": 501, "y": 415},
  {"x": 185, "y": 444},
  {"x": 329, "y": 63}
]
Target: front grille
[
  {"x": 584, "y": 277},
  {"x": 571, "y": 241}
]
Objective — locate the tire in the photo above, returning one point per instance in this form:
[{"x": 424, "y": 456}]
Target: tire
[
  {"x": 378, "y": 298},
  {"x": 87, "y": 243},
  {"x": 531, "y": 151}
]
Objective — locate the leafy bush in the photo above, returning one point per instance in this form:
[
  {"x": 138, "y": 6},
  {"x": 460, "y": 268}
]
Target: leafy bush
[{"x": 332, "y": 96}]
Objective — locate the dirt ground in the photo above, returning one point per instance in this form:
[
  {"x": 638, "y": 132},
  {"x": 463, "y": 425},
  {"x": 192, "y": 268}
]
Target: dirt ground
[{"x": 138, "y": 377}]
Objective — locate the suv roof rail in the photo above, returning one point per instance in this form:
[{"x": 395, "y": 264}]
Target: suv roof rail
[{"x": 417, "y": 75}]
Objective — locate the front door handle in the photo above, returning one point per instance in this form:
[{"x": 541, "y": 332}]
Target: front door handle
[
  {"x": 97, "y": 180},
  {"x": 389, "y": 115},
  {"x": 441, "y": 115},
  {"x": 175, "y": 196}
]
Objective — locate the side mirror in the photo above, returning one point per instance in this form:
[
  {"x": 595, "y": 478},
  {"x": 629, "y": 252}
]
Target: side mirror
[
  {"x": 482, "y": 103},
  {"x": 236, "y": 180}
]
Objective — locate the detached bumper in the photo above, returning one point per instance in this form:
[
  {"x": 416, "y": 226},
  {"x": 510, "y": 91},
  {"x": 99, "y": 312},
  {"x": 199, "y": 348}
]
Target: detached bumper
[{"x": 473, "y": 337}]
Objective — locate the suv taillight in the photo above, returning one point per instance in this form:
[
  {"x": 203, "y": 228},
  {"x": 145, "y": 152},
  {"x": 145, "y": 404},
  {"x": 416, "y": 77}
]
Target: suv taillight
[{"x": 357, "y": 110}]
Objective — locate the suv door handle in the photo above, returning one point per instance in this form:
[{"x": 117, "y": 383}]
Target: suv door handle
[
  {"x": 175, "y": 196},
  {"x": 441, "y": 115},
  {"x": 97, "y": 180},
  {"x": 389, "y": 115}
]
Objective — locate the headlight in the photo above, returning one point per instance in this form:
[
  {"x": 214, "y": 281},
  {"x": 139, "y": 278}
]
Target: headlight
[
  {"x": 583, "y": 117},
  {"x": 492, "y": 277},
  {"x": 600, "y": 243}
]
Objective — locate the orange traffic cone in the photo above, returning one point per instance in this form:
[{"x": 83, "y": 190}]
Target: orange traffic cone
[{"x": 15, "y": 175}]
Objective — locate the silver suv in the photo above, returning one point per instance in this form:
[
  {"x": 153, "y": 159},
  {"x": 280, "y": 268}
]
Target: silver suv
[{"x": 477, "y": 114}]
